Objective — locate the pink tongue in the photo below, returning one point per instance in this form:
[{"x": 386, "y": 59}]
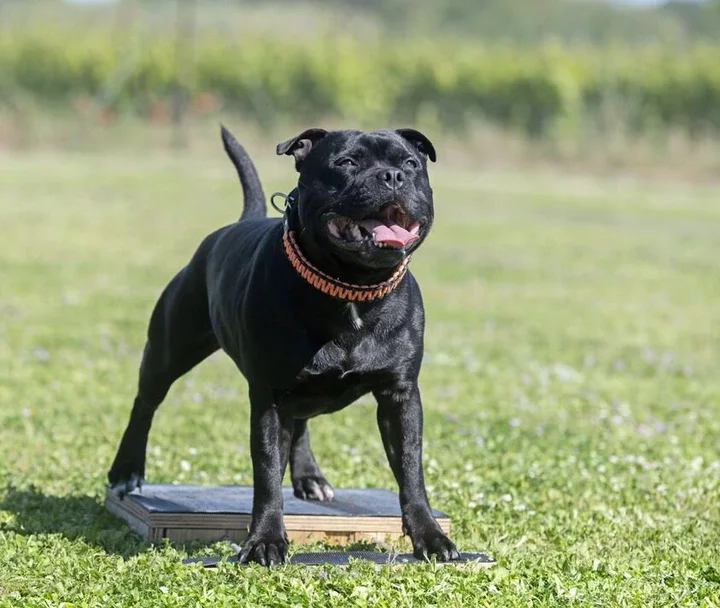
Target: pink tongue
[{"x": 391, "y": 233}]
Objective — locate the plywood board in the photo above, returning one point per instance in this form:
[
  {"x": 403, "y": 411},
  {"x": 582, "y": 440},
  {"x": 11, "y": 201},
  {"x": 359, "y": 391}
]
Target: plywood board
[{"x": 185, "y": 513}]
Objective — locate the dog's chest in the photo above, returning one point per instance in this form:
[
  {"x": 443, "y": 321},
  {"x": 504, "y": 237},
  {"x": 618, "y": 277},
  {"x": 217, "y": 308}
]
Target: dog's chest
[{"x": 338, "y": 374}]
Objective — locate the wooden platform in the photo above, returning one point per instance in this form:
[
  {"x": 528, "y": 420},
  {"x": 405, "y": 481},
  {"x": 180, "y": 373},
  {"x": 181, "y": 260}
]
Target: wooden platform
[{"x": 185, "y": 513}]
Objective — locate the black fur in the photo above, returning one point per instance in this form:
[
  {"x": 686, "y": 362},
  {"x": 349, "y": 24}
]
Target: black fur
[{"x": 302, "y": 352}]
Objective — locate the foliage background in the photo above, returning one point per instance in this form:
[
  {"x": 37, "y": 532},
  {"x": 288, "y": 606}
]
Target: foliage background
[{"x": 546, "y": 69}]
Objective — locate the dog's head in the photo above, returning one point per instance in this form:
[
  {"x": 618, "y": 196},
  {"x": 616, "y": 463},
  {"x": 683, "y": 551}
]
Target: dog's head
[{"x": 364, "y": 198}]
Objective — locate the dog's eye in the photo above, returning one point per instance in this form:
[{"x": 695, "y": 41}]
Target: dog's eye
[
  {"x": 411, "y": 163},
  {"x": 346, "y": 162}
]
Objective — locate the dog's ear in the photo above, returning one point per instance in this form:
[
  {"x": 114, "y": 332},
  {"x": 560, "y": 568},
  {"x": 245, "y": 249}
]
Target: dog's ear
[
  {"x": 300, "y": 145},
  {"x": 420, "y": 141}
]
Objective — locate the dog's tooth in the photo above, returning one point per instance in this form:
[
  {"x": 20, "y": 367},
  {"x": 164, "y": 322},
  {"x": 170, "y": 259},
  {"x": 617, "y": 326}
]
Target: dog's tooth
[
  {"x": 332, "y": 226},
  {"x": 355, "y": 231}
]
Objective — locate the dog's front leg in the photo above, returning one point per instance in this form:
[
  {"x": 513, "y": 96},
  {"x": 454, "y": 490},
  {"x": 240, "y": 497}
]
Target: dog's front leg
[
  {"x": 271, "y": 432},
  {"x": 400, "y": 419}
]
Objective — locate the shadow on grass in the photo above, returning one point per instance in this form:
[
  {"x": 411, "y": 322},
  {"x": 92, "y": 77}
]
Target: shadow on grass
[{"x": 75, "y": 517}]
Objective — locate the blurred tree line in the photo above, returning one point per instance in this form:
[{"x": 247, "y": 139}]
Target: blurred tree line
[
  {"x": 524, "y": 21},
  {"x": 530, "y": 21},
  {"x": 444, "y": 62}
]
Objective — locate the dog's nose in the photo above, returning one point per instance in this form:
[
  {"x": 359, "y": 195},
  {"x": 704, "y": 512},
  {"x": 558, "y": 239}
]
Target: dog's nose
[{"x": 392, "y": 178}]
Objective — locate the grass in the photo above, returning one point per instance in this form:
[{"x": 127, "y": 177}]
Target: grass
[{"x": 571, "y": 388}]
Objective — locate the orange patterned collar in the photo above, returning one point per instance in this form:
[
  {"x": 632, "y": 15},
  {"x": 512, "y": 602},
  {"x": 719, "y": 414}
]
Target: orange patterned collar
[{"x": 334, "y": 287}]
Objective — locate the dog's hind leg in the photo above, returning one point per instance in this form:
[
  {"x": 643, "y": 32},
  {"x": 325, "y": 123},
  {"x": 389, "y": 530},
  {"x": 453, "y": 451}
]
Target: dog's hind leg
[
  {"x": 180, "y": 336},
  {"x": 307, "y": 479}
]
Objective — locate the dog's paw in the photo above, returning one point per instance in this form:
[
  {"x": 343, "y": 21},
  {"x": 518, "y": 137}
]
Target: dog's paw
[
  {"x": 123, "y": 484},
  {"x": 434, "y": 542},
  {"x": 313, "y": 487},
  {"x": 268, "y": 549}
]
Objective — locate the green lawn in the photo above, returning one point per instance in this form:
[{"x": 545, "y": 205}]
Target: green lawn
[{"x": 571, "y": 389}]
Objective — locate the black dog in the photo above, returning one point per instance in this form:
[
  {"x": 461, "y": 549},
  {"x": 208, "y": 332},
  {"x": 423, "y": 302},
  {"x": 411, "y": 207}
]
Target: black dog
[{"x": 316, "y": 311}]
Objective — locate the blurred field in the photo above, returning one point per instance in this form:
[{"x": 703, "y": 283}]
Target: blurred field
[
  {"x": 575, "y": 75},
  {"x": 571, "y": 387}
]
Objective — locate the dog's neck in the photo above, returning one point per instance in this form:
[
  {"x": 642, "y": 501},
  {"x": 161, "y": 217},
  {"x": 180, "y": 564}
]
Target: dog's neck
[{"x": 334, "y": 287}]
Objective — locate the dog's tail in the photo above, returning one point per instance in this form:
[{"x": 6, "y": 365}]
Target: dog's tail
[{"x": 255, "y": 206}]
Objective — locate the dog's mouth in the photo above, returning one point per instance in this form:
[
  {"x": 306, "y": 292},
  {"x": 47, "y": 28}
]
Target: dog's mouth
[{"x": 391, "y": 228}]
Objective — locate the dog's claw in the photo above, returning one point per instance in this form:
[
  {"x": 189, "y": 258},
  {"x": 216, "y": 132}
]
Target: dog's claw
[
  {"x": 437, "y": 544},
  {"x": 269, "y": 552},
  {"x": 313, "y": 488},
  {"x": 123, "y": 487},
  {"x": 273, "y": 556}
]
